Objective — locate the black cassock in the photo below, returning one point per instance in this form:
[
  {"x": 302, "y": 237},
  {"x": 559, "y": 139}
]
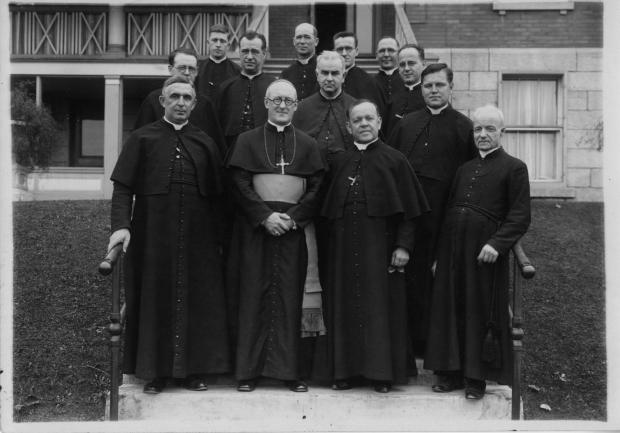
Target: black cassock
[
  {"x": 212, "y": 74},
  {"x": 435, "y": 145},
  {"x": 389, "y": 84},
  {"x": 404, "y": 101},
  {"x": 176, "y": 312},
  {"x": 489, "y": 204},
  {"x": 361, "y": 85},
  {"x": 241, "y": 104},
  {"x": 203, "y": 116},
  {"x": 303, "y": 77},
  {"x": 324, "y": 120},
  {"x": 266, "y": 272},
  {"x": 372, "y": 200}
]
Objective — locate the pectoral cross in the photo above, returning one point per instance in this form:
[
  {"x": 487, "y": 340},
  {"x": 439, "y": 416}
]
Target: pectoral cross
[
  {"x": 352, "y": 179},
  {"x": 282, "y": 164}
]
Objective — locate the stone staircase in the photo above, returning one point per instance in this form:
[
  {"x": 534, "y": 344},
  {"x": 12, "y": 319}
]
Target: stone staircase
[{"x": 273, "y": 408}]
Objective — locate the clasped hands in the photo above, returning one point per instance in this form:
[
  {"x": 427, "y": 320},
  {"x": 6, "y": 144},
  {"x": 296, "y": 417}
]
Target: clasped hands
[{"x": 279, "y": 223}]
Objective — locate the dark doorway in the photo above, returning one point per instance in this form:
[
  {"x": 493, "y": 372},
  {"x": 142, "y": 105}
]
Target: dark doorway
[{"x": 330, "y": 18}]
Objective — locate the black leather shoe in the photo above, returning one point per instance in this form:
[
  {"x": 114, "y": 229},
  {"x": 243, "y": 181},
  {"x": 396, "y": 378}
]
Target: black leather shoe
[
  {"x": 474, "y": 388},
  {"x": 341, "y": 385},
  {"x": 155, "y": 386},
  {"x": 382, "y": 387},
  {"x": 297, "y": 385},
  {"x": 448, "y": 383},
  {"x": 196, "y": 384},
  {"x": 246, "y": 385}
]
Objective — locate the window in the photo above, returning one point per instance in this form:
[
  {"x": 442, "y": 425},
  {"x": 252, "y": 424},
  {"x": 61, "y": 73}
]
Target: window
[{"x": 532, "y": 116}]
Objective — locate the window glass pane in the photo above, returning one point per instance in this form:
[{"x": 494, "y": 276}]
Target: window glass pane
[
  {"x": 529, "y": 102},
  {"x": 92, "y": 137},
  {"x": 537, "y": 149}
]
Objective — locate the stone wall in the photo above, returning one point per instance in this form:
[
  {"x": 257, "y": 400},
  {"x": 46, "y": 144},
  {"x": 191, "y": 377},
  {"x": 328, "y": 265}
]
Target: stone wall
[{"x": 477, "y": 81}]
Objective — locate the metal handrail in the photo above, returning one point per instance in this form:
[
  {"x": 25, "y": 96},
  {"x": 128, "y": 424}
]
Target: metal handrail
[
  {"x": 113, "y": 264},
  {"x": 522, "y": 270}
]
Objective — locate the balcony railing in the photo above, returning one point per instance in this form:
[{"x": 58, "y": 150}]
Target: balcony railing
[{"x": 43, "y": 31}]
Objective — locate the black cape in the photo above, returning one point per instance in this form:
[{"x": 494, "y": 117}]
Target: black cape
[
  {"x": 489, "y": 204},
  {"x": 303, "y": 77},
  {"x": 211, "y": 75},
  {"x": 365, "y": 305},
  {"x": 404, "y": 101},
  {"x": 231, "y": 100},
  {"x": 361, "y": 85},
  {"x": 203, "y": 116},
  {"x": 267, "y": 273},
  {"x": 389, "y": 84},
  {"x": 324, "y": 120},
  {"x": 435, "y": 145},
  {"x": 176, "y": 312}
]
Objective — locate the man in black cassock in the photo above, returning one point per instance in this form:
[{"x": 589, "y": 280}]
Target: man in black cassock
[
  {"x": 302, "y": 73},
  {"x": 357, "y": 82},
  {"x": 388, "y": 78},
  {"x": 276, "y": 170},
  {"x": 407, "y": 98},
  {"x": 176, "y": 312},
  {"x": 217, "y": 68},
  {"x": 183, "y": 61},
  {"x": 436, "y": 140},
  {"x": 240, "y": 99},
  {"x": 489, "y": 210},
  {"x": 323, "y": 115},
  {"x": 371, "y": 203}
]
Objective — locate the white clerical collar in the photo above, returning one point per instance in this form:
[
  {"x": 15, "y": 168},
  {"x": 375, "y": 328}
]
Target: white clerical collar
[
  {"x": 436, "y": 110},
  {"x": 330, "y": 97},
  {"x": 361, "y": 146},
  {"x": 304, "y": 61},
  {"x": 484, "y": 153},
  {"x": 280, "y": 128},
  {"x": 349, "y": 68},
  {"x": 177, "y": 127},
  {"x": 411, "y": 86},
  {"x": 250, "y": 77},
  {"x": 217, "y": 61},
  {"x": 389, "y": 71}
]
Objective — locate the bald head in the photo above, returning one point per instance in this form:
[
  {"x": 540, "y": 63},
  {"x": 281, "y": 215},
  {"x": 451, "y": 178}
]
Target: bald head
[
  {"x": 279, "y": 86},
  {"x": 305, "y": 40},
  {"x": 488, "y": 128}
]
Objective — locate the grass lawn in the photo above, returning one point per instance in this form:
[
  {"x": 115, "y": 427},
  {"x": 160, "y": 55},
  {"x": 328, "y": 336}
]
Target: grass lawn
[{"x": 62, "y": 304}]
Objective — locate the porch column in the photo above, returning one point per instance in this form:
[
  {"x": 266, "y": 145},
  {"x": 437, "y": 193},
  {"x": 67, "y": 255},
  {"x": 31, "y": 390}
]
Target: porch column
[
  {"x": 113, "y": 128},
  {"x": 116, "y": 30}
]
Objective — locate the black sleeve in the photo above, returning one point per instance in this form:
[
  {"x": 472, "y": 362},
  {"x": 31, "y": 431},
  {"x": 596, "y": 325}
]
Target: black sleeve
[
  {"x": 122, "y": 200},
  {"x": 405, "y": 235},
  {"x": 253, "y": 207},
  {"x": 308, "y": 207}
]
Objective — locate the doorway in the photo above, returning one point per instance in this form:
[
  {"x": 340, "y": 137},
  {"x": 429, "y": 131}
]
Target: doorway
[{"x": 330, "y": 18}]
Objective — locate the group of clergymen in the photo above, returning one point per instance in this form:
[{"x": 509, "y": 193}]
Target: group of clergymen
[{"x": 349, "y": 257}]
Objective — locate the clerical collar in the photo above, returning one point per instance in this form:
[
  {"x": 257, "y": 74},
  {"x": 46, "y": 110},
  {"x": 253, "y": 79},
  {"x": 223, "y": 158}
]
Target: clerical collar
[
  {"x": 305, "y": 61},
  {"x": 279, "y": 128},
  {"x": 485, "y": 153},
  {"x": 388, "y": 71},
  {"x": 411, "y": 86},
  {"x": 217, "y": 61},
  {"x": 436, "y": 110},
  {"x": 250, "y": 77},
  {"x": 361, "y": 146},
  {"x": 330, "y": 98},
  {"x": 349, "y": 68},
  {"x": 177, "y": 127}
]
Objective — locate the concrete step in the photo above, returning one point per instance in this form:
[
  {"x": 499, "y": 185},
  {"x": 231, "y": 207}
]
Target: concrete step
[{"x": 272, "y": 407}]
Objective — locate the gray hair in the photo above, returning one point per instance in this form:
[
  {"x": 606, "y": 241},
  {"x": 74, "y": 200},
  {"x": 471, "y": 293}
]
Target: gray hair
[
  {"x": 488, "y": 107},
  {"x": 330, "y": 55}
]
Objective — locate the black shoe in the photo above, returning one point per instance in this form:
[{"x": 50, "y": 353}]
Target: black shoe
[
  {"x": 341, "y": 385},
  {"x": 382, "y": 387},
  {"x": 246, "y": 385},
  {"x": 297, "y": 385},
  {"x": 155, "y": 386},
  {"x": 474, "y": 388},
  {"x": 448, "y": 383},
  {"x": 196, "y": 383}
]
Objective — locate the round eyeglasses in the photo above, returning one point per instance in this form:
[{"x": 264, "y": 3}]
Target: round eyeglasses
[{"x": 277, "y": 101}]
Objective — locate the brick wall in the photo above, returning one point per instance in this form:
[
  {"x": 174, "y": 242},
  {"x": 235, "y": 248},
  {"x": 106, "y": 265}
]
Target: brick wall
[
  {"x": 477, "y": 81},
  {"x": 477, "y": 25},
  {"x": 282, "y": 23}
]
